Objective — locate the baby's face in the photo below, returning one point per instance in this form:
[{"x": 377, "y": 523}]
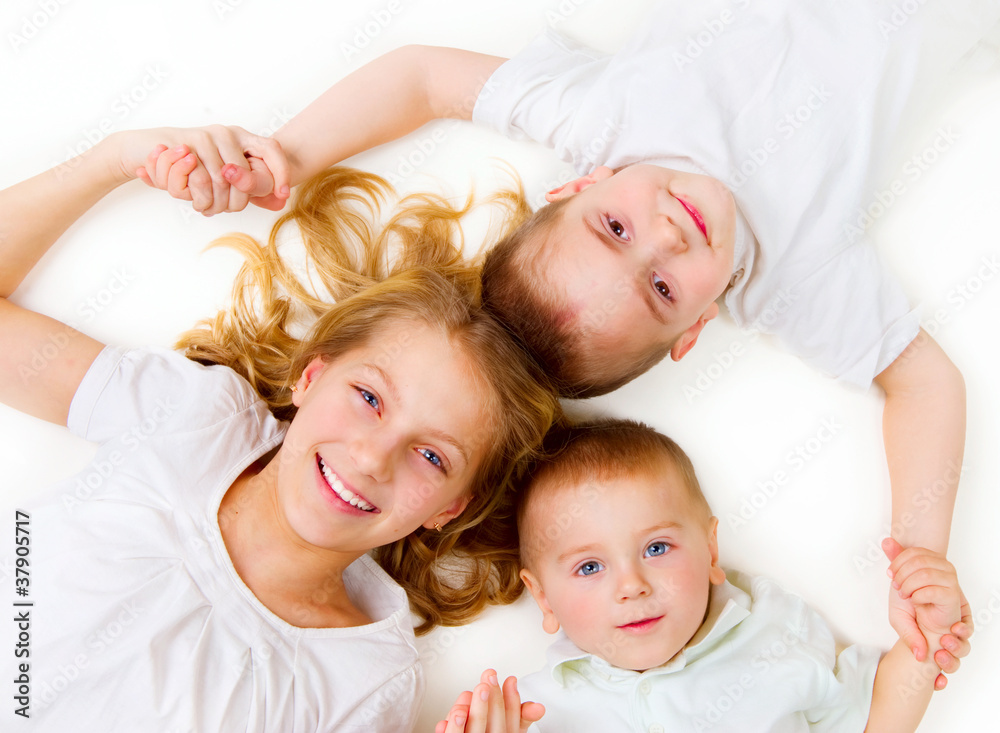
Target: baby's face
[
  {"x": 627, "y": 572},
  {"x": 639, "y": 256}
]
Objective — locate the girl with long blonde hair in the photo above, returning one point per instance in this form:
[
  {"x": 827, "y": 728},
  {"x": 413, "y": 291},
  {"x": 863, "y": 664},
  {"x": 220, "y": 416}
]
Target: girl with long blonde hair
[{"x": 215, "y": 573}]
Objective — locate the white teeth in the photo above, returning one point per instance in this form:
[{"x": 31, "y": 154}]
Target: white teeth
[{"x": 340, "y": 490}]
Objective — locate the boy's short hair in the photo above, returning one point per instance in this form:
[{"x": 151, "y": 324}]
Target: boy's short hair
[
  {"x": 515, "y": 291},
  {"x": 604, "y": 450}
]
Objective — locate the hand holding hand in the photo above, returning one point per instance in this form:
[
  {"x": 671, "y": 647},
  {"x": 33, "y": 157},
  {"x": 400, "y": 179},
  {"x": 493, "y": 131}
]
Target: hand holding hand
[
  {"x": 490, "y": 709},
  {"x": 924, "y": 602},
  {"x": 216, "y": 168}
]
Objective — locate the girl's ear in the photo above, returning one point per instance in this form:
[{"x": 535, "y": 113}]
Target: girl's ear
[
  {"x": 549, "y": 621},
  {"x": 309, "y": 375},
  {"x": 568, "y": 189},
  {"x": 448, "y": 513},
  {"x": 716, "y": 575}
]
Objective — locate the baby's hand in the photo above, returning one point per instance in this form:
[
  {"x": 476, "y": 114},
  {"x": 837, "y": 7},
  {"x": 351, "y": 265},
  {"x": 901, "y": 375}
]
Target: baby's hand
[
  {"x": 223, "y": 169},
  {"x": 927, "y": 604},
  {"x": 488, "y": 709}
]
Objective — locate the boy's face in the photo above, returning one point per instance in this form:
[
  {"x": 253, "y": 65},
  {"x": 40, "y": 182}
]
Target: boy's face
[
  {"x": 628, "y": 579},
  {"x": 641, "y": 255}
]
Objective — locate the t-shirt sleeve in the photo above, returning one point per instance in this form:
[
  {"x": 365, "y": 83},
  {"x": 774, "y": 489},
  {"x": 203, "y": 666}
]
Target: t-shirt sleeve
[
  {"x": 393, "y": 707},
  {"x": 537, "y": 94},
  {"x": 849, "y": 318},
  {"x": 847, "y": 702},
  {"x": 141, "y": 392}
]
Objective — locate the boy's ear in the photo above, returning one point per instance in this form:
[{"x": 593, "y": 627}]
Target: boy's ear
[
  {"x": 716, "y": 575},
  {"x": 568, "y": 189},
  {"x": 549, "y": 621},
  {"x": 689, "y": 338}
]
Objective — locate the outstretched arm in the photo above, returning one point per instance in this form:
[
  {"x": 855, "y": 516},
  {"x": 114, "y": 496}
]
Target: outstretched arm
[
  {"x": 393, "y": 95},
  {"x": 33, "y": 215},
  {"x": 924, "y": 433}
]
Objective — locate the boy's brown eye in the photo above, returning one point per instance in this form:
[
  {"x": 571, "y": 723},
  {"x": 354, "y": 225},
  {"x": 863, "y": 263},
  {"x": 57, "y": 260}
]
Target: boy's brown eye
[{"x": 616, "y": 228}]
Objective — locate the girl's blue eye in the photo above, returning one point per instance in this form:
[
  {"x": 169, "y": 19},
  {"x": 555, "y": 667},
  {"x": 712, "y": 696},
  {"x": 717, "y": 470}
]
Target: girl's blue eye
[
  {"x": 432, "y": 457},
  {"x": 590, "y": 568},
  {"x": 369, "y": 397},
  {"x": 656, "y": 549}
]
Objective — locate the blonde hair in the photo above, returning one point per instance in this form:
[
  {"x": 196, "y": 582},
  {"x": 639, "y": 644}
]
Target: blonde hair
[
  {"x": 410, "y": 268},
  {"x": 517, "y": 291}
]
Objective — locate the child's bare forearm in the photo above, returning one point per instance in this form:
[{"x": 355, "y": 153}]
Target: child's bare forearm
[
  {"x": 924, "y": 432},
  {"x": 383, "y": 100},
  {"x": 903, "y": 687}
]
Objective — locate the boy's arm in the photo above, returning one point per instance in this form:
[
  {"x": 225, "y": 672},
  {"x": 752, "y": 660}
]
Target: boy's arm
[
  {"x": 903, "y": 687},
  {"x": 924, "y": 433},
  {"x": 384, "y": 100}
]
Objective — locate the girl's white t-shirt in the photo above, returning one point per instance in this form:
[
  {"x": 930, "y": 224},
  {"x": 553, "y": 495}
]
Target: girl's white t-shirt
[{"x": 139, "y": 620}]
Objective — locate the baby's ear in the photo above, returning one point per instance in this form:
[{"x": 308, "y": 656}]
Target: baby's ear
[
  {"x": 575, "y": 186},
  {"x": 716, "y": 575},
  {"x": 549, "y": 621}
]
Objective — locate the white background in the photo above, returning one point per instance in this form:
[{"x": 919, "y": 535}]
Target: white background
[{"x": 69, "y": 69}]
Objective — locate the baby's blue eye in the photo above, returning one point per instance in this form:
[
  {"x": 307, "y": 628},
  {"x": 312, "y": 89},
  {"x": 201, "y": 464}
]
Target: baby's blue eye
[
  {"x": 656, "y": 549},
  {"x": 590, "y": 568},
  {"x": 432, "y": 457}
]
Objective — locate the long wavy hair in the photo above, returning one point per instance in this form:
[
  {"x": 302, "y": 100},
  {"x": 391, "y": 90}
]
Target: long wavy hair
[{"x": 410, "y": 268}]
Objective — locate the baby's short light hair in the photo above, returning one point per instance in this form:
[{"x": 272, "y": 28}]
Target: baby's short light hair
[
  {"x": 517, "y": 291},
  {"x": 603, "y": 450}
]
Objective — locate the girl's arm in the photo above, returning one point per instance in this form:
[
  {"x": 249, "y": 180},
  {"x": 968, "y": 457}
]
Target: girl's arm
[
  {"x": 42, "y": 361},
  {"x": 491, "y": 709}
]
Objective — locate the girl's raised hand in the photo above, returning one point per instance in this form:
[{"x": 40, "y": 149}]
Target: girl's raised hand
[
  {"x": 217, "y": 169},
  {"x": 490, "y": 709}
]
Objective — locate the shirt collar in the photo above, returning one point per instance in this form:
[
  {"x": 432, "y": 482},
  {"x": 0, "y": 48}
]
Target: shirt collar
[{"x": 727, "y": 607}]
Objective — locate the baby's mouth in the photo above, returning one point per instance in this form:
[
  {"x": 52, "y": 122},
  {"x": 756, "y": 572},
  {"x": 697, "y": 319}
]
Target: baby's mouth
[
  {"x": 345, "y": 494},
  {"x": 699, "y": 220}
]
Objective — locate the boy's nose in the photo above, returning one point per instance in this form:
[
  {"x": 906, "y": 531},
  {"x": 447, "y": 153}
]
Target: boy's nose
[
  {"x": 669, "y": 236},
  {"x": 632, "y": 584}
]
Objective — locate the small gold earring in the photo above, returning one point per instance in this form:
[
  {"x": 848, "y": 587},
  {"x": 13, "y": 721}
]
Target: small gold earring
[
  {"x": 437, "y": 526},
  {"x": 295, "y": 388}
]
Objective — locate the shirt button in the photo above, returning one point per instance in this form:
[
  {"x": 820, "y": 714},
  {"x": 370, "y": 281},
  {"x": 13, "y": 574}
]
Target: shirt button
[
  {"x": 644, "y": 688},
  {"x": 656, "y": 728}
]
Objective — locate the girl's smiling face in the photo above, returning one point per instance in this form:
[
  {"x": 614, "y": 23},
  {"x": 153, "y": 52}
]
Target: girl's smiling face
[{"x": 387, "y": 438}]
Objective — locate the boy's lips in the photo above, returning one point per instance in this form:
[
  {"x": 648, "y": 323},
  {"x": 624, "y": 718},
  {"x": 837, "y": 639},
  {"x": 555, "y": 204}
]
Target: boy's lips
[
  {"x": 699, "y": 220},
  {"x": 641, "y": 625}
]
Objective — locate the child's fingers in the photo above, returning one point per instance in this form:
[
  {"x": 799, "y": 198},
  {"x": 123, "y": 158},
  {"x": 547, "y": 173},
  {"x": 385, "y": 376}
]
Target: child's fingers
[
  {"x": 511, "y": 704},
  {"x": 177, "y": 178},
  {"x": 902, "y": 568},
  {"x": 946, "y": 661},
  {"x": 531, "y": 712},
  {"x": 257, "y": 181},
  {"x": 940, "y": 682},
  {"x": 273, "y": 157},
  {"x": 161, "y": 167}
]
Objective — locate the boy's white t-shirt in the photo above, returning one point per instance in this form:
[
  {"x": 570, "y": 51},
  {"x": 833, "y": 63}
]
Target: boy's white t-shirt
[
  {"x": 790, "y": 103},
  {"x": 139, "y": 620},
  {"x": 761, "y": 661}
]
